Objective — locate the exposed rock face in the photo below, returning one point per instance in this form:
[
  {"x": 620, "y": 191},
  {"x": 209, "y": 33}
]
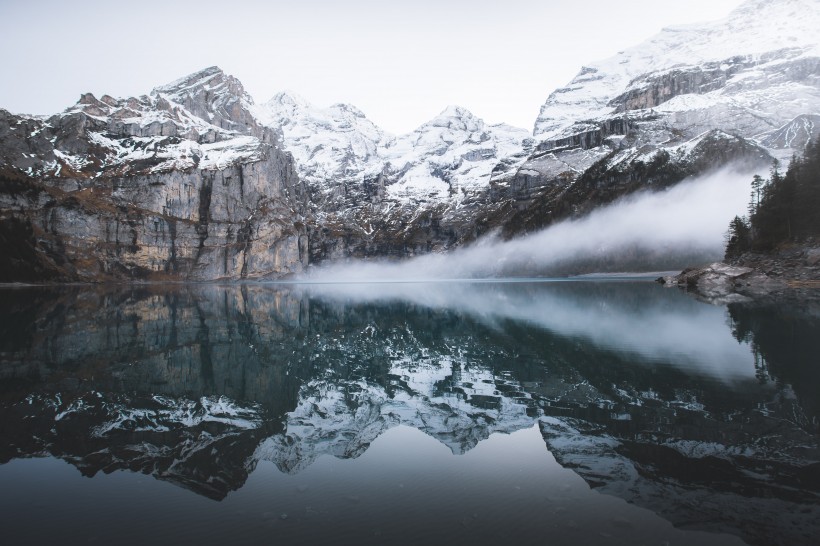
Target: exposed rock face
[
  {"x": 792, "y": 272},
  {"x": 182, "y": 184}
]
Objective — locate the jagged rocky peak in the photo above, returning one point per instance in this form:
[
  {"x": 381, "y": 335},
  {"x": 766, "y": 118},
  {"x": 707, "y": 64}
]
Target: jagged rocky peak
[
  {"x": 213, "y": 96},
  {"x": 210, "y": 89}
]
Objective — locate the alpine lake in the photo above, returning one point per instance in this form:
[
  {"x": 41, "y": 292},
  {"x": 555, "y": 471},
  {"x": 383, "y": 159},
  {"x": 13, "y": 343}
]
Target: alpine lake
[{"x": 586, "y": 411}]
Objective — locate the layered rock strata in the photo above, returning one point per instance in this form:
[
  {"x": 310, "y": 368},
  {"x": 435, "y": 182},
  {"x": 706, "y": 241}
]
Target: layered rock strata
[{"x": 183, "y": 184}]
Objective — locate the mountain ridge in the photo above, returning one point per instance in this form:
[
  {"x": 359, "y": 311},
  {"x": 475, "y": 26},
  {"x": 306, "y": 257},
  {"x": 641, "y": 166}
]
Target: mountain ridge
[{"x": 341, "y": 187}]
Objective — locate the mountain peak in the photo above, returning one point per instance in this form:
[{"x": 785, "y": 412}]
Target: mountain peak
[
  {"x": 194, "y": 79},
  {"x": 454, "y": 111},
  {"x": 208, "y": 82},
  {"x": 288, "y": 98},
  {"x": 455, "y": 117}
]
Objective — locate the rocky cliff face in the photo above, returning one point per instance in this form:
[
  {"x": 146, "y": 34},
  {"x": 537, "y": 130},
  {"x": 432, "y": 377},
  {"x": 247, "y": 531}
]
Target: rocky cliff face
[{"x": 181, "y": 184}]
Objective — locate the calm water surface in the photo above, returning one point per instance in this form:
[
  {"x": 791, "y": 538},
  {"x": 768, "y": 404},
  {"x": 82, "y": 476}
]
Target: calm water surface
[{"x": 588, "y": 412}]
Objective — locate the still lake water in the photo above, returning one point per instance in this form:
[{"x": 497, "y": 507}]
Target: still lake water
[{"x": 583, "y": 412}]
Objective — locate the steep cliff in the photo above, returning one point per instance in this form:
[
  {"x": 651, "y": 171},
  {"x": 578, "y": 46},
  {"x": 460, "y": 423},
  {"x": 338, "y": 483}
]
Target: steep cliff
[{"x": 182, "y": 184}]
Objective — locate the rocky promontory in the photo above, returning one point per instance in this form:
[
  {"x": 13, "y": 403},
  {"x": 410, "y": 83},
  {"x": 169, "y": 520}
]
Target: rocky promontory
[{"x": 791, "y": 271}]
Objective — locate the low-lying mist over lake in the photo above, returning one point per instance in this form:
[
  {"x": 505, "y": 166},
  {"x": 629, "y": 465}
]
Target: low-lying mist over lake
[{"x": 649, "y": 231}]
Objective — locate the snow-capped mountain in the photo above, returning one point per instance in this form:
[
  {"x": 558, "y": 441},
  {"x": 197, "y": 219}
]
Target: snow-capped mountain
[
  {"x": 443, "y": 159},
  {"x": 745, "y": 89},
  {"x": 750, "y": 73},
  {"x": 333, "y": 147},
  {"x": 201, "y": 120},
  {"x": 630, "y": 122},
  {"x": 449, "y": 156},
  {"x": 378, "y": 194},
  {"x": 193, "y": 180}
]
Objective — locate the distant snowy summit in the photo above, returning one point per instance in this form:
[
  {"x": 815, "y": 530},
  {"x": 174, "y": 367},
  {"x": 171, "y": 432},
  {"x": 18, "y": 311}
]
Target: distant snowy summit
[
  {"x": 745, "y": 89},
  {"x": 451, "y": 154},
  {"x": 750, "y": 74}
]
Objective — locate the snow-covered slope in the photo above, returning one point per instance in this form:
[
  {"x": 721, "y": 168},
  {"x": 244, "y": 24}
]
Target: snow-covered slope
[
  {"x": 200, "y": 121},
  {"x": 750, "y": 73},
  {"x": 331, "y": 146},
  {"x": 450, "y": 155}
]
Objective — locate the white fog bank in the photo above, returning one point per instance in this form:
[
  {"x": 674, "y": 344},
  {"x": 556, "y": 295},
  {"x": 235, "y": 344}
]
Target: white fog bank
[{"x": 690, "y": 218}]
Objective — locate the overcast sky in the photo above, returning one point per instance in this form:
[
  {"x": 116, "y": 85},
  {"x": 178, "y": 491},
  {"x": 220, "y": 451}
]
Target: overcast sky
[{"x": 401, "y": 62}]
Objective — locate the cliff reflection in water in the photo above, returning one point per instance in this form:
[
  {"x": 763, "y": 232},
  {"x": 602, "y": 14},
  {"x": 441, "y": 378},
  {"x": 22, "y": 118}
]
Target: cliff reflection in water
[{"x": 707, "y": 416}]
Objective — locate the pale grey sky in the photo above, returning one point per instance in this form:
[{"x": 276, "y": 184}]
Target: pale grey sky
[{"x": 400, "y": 62}]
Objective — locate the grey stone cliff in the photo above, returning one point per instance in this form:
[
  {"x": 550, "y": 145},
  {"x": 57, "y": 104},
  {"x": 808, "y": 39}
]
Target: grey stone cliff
[{"x": 179, "y": 185}]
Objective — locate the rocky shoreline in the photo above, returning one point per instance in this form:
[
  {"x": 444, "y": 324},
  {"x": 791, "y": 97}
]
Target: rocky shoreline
[{"x": 790, "y": 272}]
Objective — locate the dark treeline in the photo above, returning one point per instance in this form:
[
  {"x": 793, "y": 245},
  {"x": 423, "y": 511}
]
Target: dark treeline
[{"x": 782, "y": 209}]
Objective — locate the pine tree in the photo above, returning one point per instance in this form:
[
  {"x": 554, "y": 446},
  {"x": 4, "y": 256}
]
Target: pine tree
[
  {"x": 739, "y": 238},
  {"x": 784, "y": 208},
  {"x": 757, "y": 189}
]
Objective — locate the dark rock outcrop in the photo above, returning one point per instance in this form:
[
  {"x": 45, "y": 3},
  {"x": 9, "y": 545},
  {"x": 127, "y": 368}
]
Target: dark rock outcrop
[{"x": 792, "y": 273}]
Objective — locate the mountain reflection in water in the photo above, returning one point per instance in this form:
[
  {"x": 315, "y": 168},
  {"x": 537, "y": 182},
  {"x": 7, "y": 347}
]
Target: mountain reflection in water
[{"x": 706, "y": 416}]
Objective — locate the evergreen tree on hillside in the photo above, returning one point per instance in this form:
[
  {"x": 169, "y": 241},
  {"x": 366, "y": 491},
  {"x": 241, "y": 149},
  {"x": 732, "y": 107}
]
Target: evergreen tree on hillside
[
  {"x": 784, "y": 208},
  {"x": 739, "y": 238}
]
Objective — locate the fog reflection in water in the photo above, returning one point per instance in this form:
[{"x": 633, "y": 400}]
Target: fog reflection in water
[
  {"x": 695, "y": 412},
  {"x": 659, "y": 326}
]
